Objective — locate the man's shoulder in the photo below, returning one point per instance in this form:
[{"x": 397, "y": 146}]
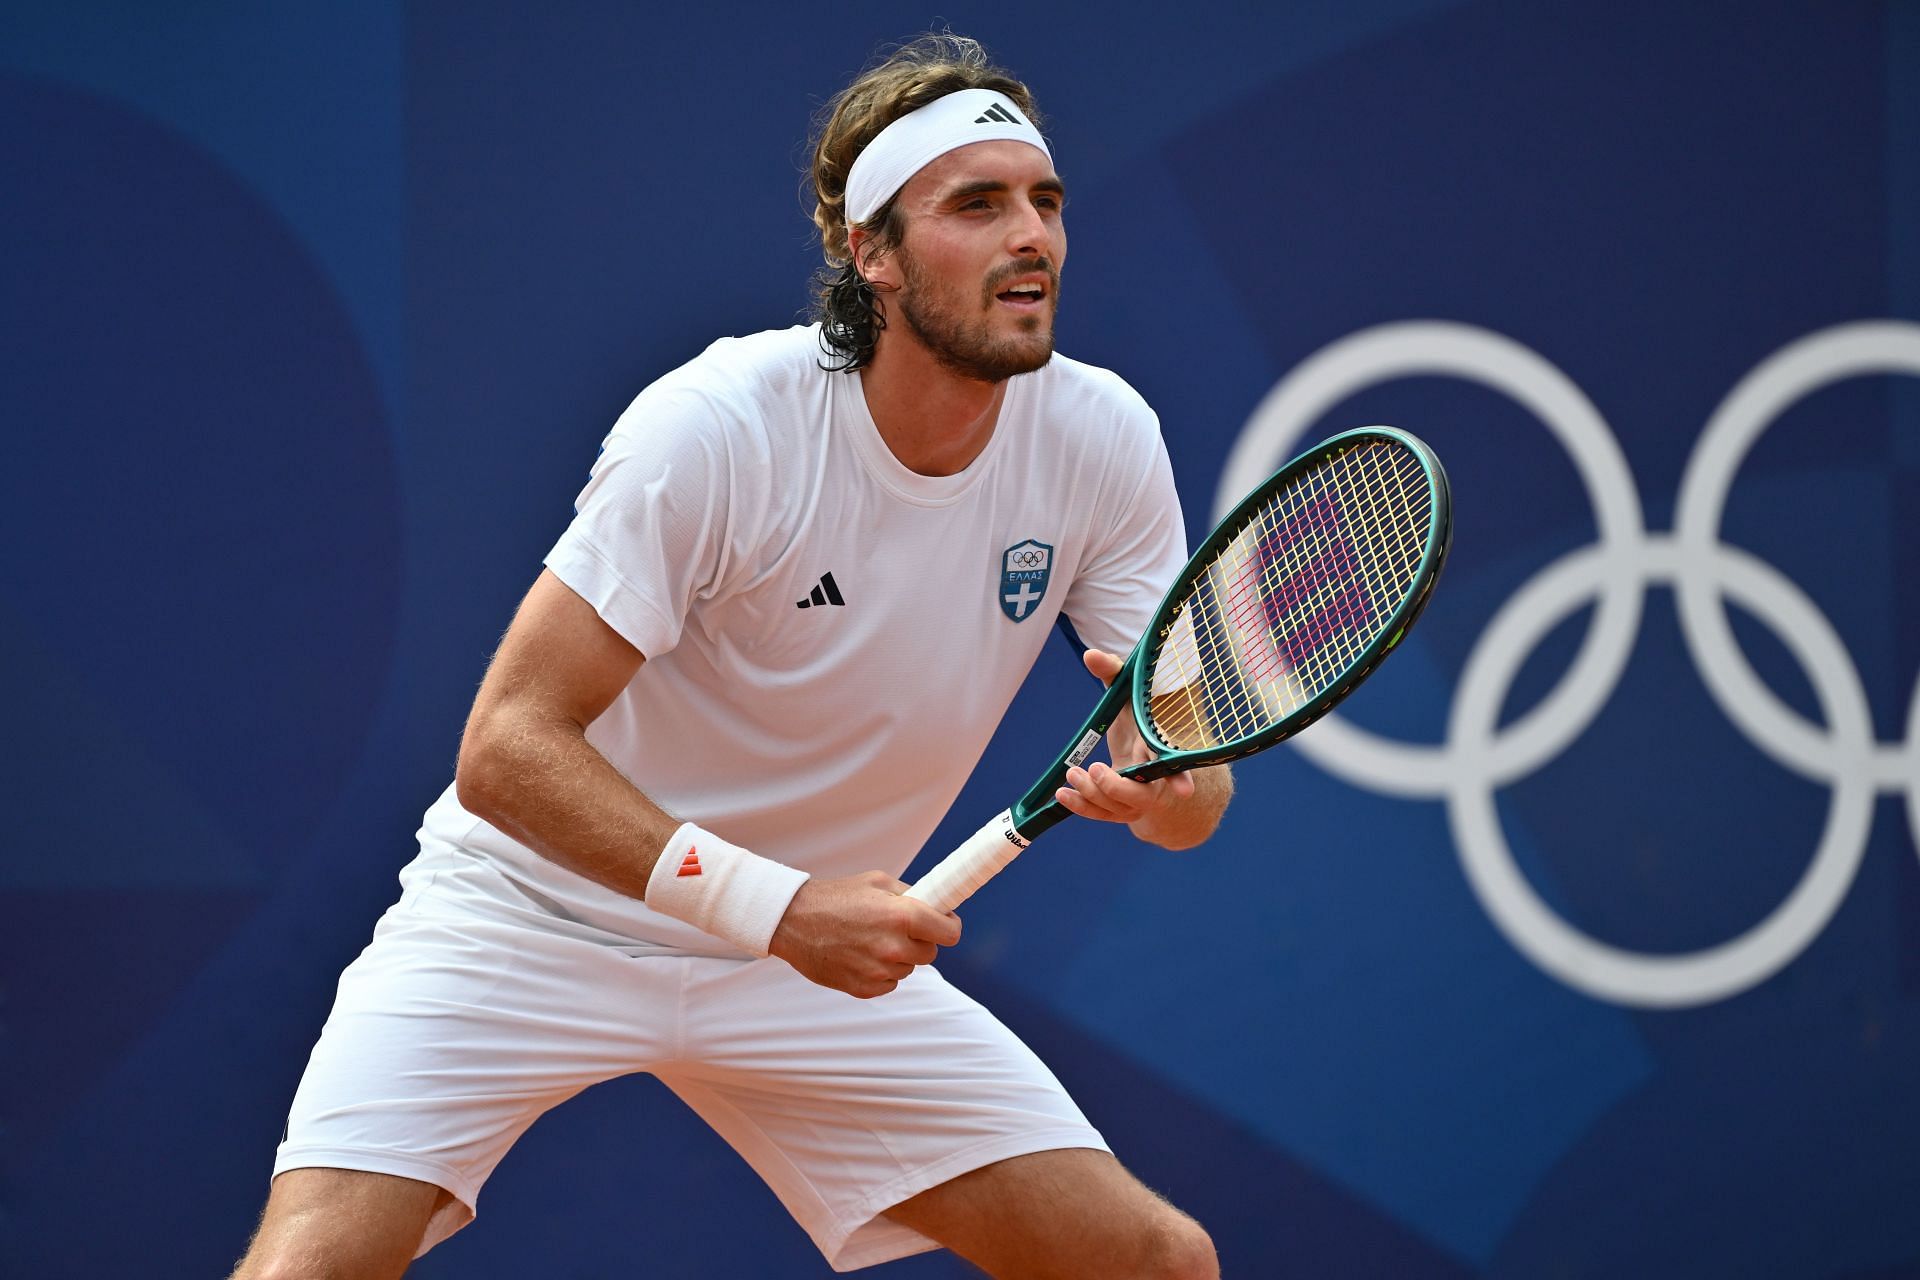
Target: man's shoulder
[
  {"x": 773, "y": 362},
  {"x": 1064, "y": 382},
  {"x": 730, "y": 420},
  {"x": 754, "y": 383}
]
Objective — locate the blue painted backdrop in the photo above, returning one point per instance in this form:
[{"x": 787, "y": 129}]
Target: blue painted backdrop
[{"x": 314, "y": 315}]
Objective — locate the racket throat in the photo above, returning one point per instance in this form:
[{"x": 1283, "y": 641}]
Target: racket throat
[
  {"x": 1038, "y": 811},
  {"x": 1082, "y": 749}
]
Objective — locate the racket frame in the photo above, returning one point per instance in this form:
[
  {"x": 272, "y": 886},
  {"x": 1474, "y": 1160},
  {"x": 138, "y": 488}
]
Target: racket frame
[{"x": 1038, "y": 810}]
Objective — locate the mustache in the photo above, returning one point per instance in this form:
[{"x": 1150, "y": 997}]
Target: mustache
[{"x": 1024, "y": 267}]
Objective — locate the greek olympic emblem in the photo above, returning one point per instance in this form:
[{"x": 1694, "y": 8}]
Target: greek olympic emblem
[
  {"x": 1025, "y": 568},
  {"x": 1478, "y": 757}
]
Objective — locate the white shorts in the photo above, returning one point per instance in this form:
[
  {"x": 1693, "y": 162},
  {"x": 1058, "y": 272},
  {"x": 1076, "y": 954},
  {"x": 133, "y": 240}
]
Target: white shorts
[{"x": 457, "y": 1028}]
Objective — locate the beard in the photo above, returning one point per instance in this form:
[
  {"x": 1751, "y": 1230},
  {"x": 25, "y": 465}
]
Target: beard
[{"x": 958, "y": 333}]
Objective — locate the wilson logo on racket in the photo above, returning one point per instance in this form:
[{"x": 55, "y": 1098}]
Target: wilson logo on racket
[
  {"x": 1024, "y": 570},
  {"x": 1310, "y": 583}
]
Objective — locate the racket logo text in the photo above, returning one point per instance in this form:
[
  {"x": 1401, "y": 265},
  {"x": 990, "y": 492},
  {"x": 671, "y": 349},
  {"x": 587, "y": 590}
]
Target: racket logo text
[{"x": 1309, "y": 584}]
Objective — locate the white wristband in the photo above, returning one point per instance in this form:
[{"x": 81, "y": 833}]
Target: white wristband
[{"x": 722, "y": 889}]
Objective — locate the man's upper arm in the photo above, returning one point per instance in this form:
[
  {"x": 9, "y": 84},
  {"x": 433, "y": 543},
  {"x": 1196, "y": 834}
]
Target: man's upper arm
[
  {"x": 1141, "y": 546},
  {"x": 559, "y": 658}
]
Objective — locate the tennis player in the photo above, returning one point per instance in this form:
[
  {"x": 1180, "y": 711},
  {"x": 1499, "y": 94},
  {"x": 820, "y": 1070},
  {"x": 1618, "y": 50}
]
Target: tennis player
[{"x": 724, "y": 719}]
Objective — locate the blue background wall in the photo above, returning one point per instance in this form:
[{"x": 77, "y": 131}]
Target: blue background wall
[{"x": 314, "y": 316}]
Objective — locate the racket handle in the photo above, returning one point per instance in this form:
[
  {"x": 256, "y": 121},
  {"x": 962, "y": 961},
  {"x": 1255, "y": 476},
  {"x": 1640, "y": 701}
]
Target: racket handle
[{"x": 958, "y": 875}]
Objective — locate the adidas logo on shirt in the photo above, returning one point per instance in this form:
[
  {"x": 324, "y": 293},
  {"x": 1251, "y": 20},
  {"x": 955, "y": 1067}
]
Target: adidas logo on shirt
[
  {"x": 997, "y": 114},
  {"x": 826, "y": 591}
]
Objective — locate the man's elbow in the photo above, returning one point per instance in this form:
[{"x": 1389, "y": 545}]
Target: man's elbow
[{"x": 481, "y": 774}]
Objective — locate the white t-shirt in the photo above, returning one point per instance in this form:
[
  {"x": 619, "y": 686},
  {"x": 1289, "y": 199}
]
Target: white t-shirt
[{"x": 830, "y": 638}]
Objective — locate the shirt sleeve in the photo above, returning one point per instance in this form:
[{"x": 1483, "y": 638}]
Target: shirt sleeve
[
  {"x": 1126, "y": 573},
  {"x": 649, "y": 532}
]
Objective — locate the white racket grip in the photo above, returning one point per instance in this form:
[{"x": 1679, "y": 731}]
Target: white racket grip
[{"x": 961, "y": 873}]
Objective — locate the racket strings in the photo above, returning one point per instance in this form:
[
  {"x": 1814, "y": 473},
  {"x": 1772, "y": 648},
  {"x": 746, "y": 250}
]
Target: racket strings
[{"x": 1292, "y": 601}]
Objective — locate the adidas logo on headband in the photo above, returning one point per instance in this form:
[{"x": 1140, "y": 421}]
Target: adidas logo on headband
[{"x": 920, "y": 137}]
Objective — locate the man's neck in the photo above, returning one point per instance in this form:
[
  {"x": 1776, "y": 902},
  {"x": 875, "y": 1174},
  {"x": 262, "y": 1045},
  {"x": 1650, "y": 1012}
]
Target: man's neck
[{"x": 933, "y": 420}]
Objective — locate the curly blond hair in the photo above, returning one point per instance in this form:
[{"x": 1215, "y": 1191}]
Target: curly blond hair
[{"x": 905, "y": 79}]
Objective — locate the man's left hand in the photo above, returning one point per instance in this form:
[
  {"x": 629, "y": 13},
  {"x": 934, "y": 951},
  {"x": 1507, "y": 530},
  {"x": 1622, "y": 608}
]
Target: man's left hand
[{"x": 1165, "y": 811}]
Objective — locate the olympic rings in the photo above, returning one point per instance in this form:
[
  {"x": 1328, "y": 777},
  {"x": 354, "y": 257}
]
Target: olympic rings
[{"x": 1478, "y": 756}]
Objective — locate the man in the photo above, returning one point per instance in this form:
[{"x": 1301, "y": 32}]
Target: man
[{"x": 720, "y": 725}]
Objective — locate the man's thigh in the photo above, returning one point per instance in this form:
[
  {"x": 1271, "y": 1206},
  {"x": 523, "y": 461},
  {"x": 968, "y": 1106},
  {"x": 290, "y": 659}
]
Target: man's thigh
[
  {"x": 450, "y": 1035},
  {"x": 340, "y": 1222},
  {"x": 1064, "y": 1214},
  {"x": 847, "y": 1107}
]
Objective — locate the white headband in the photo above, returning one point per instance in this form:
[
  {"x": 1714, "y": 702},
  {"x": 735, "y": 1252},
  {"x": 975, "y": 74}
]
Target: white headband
[{"x": 920, "y": 137}]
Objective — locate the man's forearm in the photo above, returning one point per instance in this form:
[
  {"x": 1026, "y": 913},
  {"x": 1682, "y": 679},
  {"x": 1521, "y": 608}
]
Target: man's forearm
[{"x": 540, "y": 781}]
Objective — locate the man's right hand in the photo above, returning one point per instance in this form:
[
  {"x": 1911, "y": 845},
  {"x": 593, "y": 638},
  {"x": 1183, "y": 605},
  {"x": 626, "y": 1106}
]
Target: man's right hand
[{"x": 858, "y": 935}]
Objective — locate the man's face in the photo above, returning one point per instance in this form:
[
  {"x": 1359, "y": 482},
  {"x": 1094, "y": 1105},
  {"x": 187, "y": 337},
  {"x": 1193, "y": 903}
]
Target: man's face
[{"x": 976, "y": 276}]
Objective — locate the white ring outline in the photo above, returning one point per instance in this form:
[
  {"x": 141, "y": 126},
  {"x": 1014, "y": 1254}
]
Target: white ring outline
[
  {"x": 1616, "y": 569},
  {"x": 1447, "y": 349},
  {"x": 1913, "y": 765},
  {"x": 1775, "y": 385},
  {"x": 1534, "y": 928}
]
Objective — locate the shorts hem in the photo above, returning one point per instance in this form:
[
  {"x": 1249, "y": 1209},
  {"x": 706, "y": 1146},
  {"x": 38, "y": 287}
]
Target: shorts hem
[
  {"x": 445, "y": 1221},
  {"x": 888, "y": 1241}
]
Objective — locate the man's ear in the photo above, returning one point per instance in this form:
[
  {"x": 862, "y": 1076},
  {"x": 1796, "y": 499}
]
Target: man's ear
[{"x": 875, "y": 265}]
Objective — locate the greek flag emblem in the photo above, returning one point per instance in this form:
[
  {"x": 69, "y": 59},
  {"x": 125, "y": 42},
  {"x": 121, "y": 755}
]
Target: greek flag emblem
[{"x": 1023, "y": 578}]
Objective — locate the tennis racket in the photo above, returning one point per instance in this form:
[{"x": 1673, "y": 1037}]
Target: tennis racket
[{"x": 1286, "y": 607}]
